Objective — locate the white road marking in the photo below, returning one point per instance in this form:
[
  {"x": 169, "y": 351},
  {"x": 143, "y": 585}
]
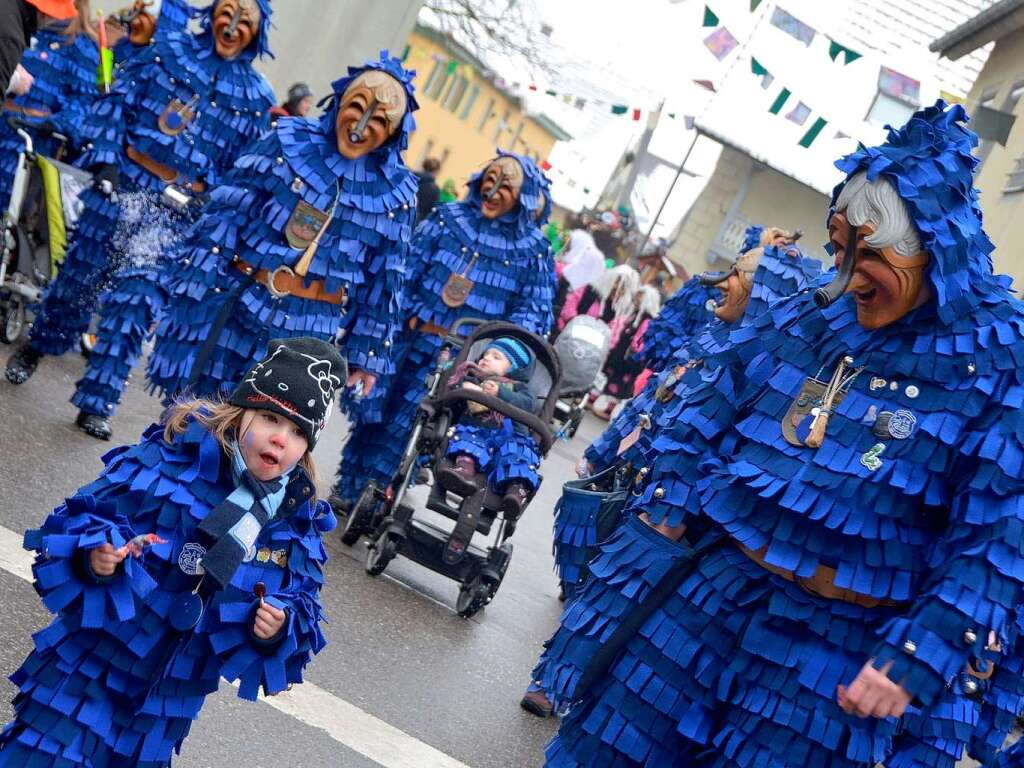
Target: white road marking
[{"x": 346, "y": 723}]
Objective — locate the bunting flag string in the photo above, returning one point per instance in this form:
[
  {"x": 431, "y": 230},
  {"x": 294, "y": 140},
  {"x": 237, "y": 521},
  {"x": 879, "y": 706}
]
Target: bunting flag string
[{"x": 835, "y": 49}]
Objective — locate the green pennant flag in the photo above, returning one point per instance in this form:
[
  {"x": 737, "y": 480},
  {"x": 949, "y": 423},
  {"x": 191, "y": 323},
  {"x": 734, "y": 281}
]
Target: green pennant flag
[
  {"x": 754, "y": 4},
  {"x": 452, "y": 66},
  {"x": 780, "y": 101},
  {"x": 710, "y": 20},
  {"x": 757, "y": 67},
  {"x": 812, "y": 132},
  {"x": 834, "y": 49},
  {"x": 549, "y": 92},
  {"x": 619, "y": 109},
  {"x": 672, "y": 115},
  {"x": 586, "y": 190}
]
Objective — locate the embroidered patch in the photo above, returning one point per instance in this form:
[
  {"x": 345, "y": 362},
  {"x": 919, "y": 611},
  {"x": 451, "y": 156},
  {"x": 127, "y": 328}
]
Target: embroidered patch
[
  {"x": 810, "y": 397},
  {"x": 176, "y": 117},
  {"x": 190, "y": 559},
  {"x": 456, "y": 290},
  {"x": 304, "y": 225}
]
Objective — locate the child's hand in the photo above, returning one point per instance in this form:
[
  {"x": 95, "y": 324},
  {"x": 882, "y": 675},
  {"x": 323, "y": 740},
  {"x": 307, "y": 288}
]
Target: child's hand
[
  {"x": 269, "y": 621},
  {"x": 490, "y": 388},
  {"x": 104, "y": 560},
  {"x": 471, "y": 385}
]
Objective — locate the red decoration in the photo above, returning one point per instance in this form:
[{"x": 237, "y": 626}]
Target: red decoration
[
  {"x": 636, "y": 114},
  {"x": 545, "y": 165}
]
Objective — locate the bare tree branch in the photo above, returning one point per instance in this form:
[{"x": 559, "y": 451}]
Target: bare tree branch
[{"x": 510, "y": 29}]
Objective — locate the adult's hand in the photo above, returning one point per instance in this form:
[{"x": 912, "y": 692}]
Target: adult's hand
[
  {"x": 873, "y": 694},
  {"x": 21, "y": 82}
]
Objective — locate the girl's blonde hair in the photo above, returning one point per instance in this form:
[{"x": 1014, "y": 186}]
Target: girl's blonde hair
[{"x": 221, "y": 420}]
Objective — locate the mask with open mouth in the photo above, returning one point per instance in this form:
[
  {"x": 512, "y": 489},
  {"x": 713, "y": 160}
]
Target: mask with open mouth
[
  {"x": 886, "y": 271},
  {"x": 500, "y": 187},
  {"x": 236, "y": 23},
  {"x": 370, "y": 113}
]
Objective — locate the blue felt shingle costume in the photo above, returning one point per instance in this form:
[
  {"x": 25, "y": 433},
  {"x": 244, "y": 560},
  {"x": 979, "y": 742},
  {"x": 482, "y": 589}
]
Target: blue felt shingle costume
[
  {"x": 509, "y": 264},
  {"x": 124, "y": 668},
  {"x": 681, "y": 316},
  {"x": 179, "y": 114},
  {"x": 221, "y": 312},
  {"x": 910, "y": 510},
  {"x": 781, "y": 271}
]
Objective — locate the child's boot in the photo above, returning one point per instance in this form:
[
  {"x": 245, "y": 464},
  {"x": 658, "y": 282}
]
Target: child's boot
[
  {"x": 460, "y": 476},
  {"x": 514, "y": 501}
]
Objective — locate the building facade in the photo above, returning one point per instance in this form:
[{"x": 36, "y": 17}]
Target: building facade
[
  {"x": 465, "y": 111},
  {"x": 316, "y": 47},
  {"x": 1000, "y": 86}
]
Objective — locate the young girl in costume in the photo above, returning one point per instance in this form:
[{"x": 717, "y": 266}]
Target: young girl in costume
[{"x": 196, "y": 555}]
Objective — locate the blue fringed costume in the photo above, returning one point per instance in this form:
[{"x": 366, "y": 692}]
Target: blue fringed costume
[
  {"x": 110, "y": 683},
  {"x": 179, "y": 114},
  {"x": 510, "y": 265},
  {"x": 681, "y": 316},
  {"x": 781, "y": 272},
  {"x": 910, "y": 509},
  {"x": 221, "y": 312}
]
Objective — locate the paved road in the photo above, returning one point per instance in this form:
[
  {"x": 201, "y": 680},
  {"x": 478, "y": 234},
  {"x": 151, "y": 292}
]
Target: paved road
[{"x": 404, "y": 682}]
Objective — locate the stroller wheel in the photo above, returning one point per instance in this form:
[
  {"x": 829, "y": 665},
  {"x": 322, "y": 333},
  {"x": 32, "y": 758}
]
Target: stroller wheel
[
  {"x": 380, "y": 553},
  {"x": 12, "y": 322},
  {"x": 358, "y": 520},
  {"x": 473, "y": 596}
]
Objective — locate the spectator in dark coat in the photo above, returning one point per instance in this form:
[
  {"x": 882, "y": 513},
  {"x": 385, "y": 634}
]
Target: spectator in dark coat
[{"x": 428, "y": 193}]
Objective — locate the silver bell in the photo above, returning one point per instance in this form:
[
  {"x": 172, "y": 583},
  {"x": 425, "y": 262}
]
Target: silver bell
[{"x": 970, "y": 637}]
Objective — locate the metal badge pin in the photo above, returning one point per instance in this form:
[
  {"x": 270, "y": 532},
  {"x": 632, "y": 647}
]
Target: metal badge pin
[
  {"x": 893, "y": 386},
  {"x": 870, "y": 458},
  {"x": 912, "y": 391},
  {"x": 876, "y": 383},
  {"x": 901, "y": 424}
]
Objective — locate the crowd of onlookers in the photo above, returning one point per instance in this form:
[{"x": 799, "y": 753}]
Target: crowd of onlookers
[{"x": 591, "y": 283}]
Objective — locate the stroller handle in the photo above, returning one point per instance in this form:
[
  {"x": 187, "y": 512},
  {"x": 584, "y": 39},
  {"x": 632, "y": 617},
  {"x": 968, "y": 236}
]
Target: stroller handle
[
  {"x": 454, "y": 336},
  {"x": 527, "y": 419}
]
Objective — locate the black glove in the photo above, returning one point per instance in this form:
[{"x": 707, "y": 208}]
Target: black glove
[{"x": 105, "y": 177}]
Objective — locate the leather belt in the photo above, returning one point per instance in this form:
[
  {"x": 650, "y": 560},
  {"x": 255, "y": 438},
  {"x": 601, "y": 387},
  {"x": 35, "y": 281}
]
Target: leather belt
[
  {"x": 161, "y": 171},
  {"x": 17, "y": 109},
  {"x": 284, "y": 282},
  {"x": 415, "y": 324},
  {"x": 821, "y": 583}
]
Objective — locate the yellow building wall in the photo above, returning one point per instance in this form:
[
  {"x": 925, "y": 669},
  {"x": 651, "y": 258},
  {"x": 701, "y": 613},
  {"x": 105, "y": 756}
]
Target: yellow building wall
[
  {"x": 459, "y": 128},
  {"x": 1003, "y": 211}
]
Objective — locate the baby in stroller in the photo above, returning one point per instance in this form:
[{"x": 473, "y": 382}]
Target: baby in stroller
[{"x": 487, "y": 446}]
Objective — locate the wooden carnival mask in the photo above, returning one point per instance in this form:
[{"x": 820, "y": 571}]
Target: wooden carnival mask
[
  {"x": 885, "y": 284},
  {"x": 500, "y": 187},
  {"x": 736, "y": 286},
  {"x": 236, "y": 23},
  {"x": 140, "y": 21},
  {"x": 370, "y": 112}
]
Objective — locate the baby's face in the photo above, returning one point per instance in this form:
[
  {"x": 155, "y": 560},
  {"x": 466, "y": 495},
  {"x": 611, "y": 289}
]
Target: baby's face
[
  {"x": 494, "y": 363},
  {"x": 271, "y": 444}
]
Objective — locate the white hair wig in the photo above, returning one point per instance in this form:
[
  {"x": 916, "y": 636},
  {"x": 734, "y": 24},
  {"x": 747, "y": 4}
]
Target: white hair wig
[
  {"x": 630, "y": 281},
  {"x": 879, "y": 204},
  {"x": 649, "y": 304}
]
